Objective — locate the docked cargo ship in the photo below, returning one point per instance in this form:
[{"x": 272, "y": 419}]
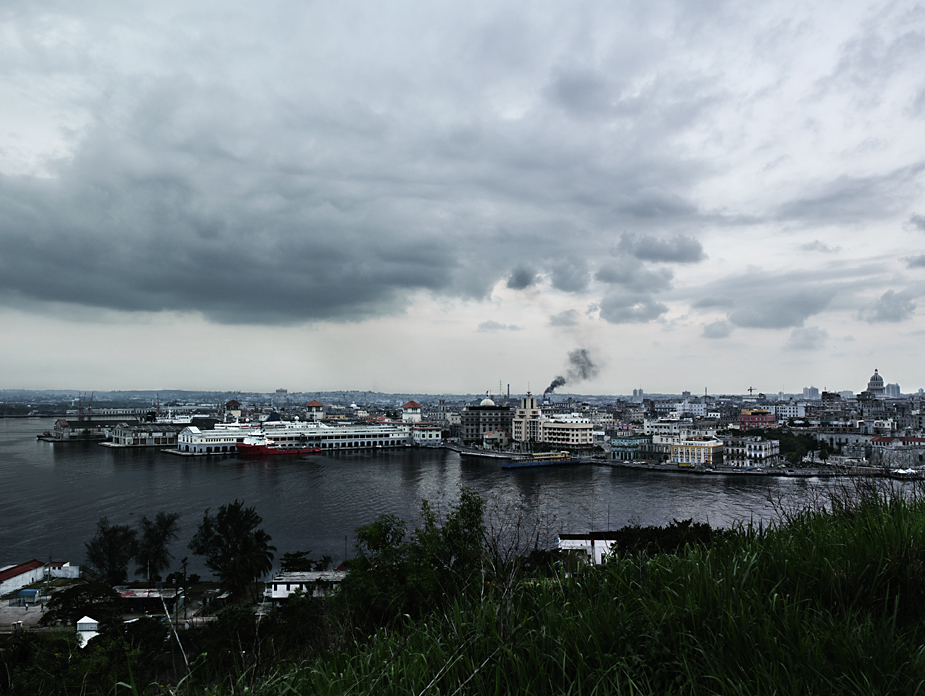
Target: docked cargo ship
[
  {"x": 542, "y": 459},
  {"x": 260, "y": 445}
]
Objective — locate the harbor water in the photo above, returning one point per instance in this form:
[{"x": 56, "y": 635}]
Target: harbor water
[{"x": 51, "y": 495}]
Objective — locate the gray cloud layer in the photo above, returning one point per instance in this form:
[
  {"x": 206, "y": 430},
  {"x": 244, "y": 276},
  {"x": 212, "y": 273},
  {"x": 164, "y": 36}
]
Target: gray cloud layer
[
  {"x": 300, "y": 163},
  {"x": 892, "y": 306}
]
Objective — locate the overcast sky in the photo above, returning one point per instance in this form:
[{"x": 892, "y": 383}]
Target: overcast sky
[{"x": 445, "y": 196}]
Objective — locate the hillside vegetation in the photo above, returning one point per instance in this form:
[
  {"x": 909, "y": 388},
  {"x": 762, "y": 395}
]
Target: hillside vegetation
[{"x": 830, "y": 600}]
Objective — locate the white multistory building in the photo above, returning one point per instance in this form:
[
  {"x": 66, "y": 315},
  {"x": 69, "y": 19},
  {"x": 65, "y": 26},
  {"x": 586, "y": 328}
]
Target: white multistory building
[
  {"x": 225, "y": 439},
  {"x": 562, "y": 430}
]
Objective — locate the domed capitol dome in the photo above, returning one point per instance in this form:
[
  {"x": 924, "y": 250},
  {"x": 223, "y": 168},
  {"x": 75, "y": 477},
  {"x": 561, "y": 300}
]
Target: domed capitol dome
[{"x": 875, "y": 385}]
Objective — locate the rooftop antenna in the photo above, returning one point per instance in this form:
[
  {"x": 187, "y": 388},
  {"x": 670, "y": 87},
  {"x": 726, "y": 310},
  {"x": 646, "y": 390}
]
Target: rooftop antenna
[{"x": 751, "y": 390}]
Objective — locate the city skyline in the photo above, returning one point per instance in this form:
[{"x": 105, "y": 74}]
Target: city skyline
[{"x": 430, "y": 197}]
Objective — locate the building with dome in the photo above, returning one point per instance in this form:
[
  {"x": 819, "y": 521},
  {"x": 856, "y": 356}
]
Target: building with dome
[
  {"x": 875, "y": 386},
  {"x": 475, "y": 421}
]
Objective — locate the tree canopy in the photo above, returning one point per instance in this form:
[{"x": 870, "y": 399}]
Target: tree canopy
[
  {"x": 234, "y": 547},
  {"x": 111, "y": 550},
  {"x": 152, "y": 555},
  {"x": 390, "y": 576}
]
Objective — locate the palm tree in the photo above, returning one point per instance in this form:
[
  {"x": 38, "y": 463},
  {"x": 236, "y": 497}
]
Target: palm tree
[
  {"x": 234, "y": 548},
  {"x": 152, "y": 555}
]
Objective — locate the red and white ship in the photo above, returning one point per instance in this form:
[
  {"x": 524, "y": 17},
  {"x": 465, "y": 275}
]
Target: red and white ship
[{"x": 262, "y": 445}]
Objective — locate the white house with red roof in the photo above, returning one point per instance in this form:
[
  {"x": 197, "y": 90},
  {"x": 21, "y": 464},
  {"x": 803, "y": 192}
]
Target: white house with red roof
[
  {"x": 411, "y": 412},
  {"x": 14, "y": 577},
  {"x": 897, "y": 452},
  {"x": 314, "y": 410}
]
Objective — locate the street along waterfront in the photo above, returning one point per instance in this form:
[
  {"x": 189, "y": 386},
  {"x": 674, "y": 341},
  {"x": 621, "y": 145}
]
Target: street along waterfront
[{"x": 51, "y": 495}]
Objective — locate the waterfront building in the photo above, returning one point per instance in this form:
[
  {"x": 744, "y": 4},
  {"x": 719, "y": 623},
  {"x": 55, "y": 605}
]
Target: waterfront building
[
  {"x": 314, "y": 410},
  {"x": 697, "y": 452},
  {"x": 570, "y": 431},
  {"x": 897, "y": 452},
  {"x": 761, "y": 453},
  {"x": 224, "y": 440},
  {"x": 145, "y": 435},
  {"x": 750, "y": 451},
  {"x": 525, "y": 424},
  {"x": 426, "y": 435},
  {"x": 496, "y": 439},
  {"x": 530, "y": 424},
  {"x": 475, "y": 421},
  {"x": 629, "y": 448},
  {"x": 87, "y": 427}
]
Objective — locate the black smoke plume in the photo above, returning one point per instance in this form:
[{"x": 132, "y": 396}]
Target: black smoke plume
[
  {"x": 556, "y": 383},
  {"x": 581, "y": 368}
]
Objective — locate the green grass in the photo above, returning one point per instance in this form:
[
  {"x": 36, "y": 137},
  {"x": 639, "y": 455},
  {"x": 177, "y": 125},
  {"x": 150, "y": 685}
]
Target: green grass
[{"x": 829, "y": 603}]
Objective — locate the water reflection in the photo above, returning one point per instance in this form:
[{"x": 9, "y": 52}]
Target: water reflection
[{"x": 52, "y": 495}]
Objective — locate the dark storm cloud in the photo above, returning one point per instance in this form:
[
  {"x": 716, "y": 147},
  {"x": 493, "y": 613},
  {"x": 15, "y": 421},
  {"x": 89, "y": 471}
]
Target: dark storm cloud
[
  {"x": 253, "y": 187},
  {"x": 891, "y": 307},
  {"x": 915, "y": 261},
  {"x": 678, "y": 249},
  {"x": 521, "y": 278},
  {"x": 368, "y": 155},
  {"x": 620, "y": 308},
  {"x": 633, "y": 275},
  {"x": 148, "y": 242},
  {"x": 917, "y": 221},
  {"x": 570, "y": 275}
]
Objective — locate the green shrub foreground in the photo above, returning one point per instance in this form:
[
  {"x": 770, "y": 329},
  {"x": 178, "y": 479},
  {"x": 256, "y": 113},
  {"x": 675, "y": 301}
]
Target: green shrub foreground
[
  {"x": 832, "y": 602},
  {"x": 829, "y": 601}
]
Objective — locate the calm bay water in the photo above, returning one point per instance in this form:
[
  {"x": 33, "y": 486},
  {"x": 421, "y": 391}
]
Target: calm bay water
[{"x": 51, "y": 495}]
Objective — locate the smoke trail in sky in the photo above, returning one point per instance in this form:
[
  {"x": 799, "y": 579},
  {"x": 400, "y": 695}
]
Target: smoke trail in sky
[{"x": 581, "y": 368}]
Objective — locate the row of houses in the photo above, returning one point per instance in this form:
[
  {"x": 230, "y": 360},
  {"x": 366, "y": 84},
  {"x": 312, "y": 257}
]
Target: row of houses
[{"x": 688, "y": 443}]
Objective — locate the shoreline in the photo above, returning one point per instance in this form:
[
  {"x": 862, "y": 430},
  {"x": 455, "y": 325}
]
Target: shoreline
[{"x": 667, "y": 468}]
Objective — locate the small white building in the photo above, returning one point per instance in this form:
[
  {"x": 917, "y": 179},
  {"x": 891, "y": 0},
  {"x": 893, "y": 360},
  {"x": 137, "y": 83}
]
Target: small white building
[
  {"x": 596, "y": 545},
  {"x": 426, "y": 435},
  {"x": 312, "y": 584},
  {"x": 87, "y": 628}
]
